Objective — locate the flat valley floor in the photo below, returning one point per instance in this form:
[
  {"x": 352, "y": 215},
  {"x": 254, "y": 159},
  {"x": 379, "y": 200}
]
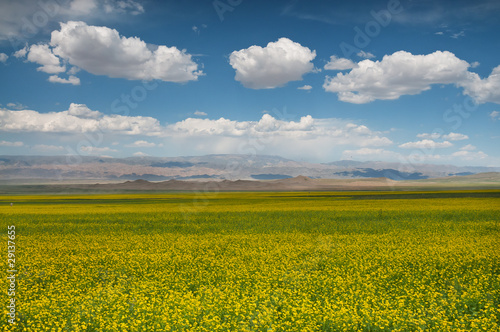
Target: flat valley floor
[{"x": 254, "y": 261}]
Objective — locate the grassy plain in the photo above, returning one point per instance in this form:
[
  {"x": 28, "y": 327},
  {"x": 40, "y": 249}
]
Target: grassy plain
[{"x": 321, "y": 261}]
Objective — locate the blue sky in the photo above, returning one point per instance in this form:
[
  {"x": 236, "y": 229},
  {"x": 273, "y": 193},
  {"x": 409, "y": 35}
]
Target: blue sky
[{"x": 406, "y": 81}]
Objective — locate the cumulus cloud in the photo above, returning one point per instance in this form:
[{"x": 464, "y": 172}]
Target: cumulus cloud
[
  {"x": 455, "y": 137},
  {"x": 70, "y": 80},
  {"x": 42, "y": 55},
  {"x": 82, "y": 6},
  {"x": 77, "y": 119},
  {"x": 306, "y": 129},
  {"x": 401, "y": 73},
  {"x": 469, "y": 155},
  {"x": 272, "y": 66},
  {"x": 450, "y": 136},
  {"x": 22, "y": 19},
  {"x": 365, "y": 55},
  {"x": 429, "y": 136},
  {"x": 102, "y": 51},
  {"x": 94, "y": 150},
  {"x": 140, "y": 154},
  {"x": 483, "y": 90},
  {"x": 3, "y": 57},
  {"x": 200, "y": 113},
  {"x": 336, "y": 63},
  {"x": 82, "y": 111},
  {"x": 459, "y": 157},
  {"x": 426, "y": 144},
  {"x": 305, "y": 87},
  {"x": 7, "y": 143},
  {"x": 123, "y": 6},
  {"x": 15, "y": 106},
  {"x": 21, "y": 53},
  {"x": 468, "y": 147},
  {"x": 141, "y": 144},
  {"x": 306, "y": 137}
]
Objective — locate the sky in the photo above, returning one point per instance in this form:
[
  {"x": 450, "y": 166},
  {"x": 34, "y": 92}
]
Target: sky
[{"x": 317, "y": 81}]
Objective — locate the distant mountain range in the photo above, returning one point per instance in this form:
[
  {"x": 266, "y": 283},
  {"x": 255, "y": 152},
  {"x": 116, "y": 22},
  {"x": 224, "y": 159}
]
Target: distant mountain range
[{"x": 77, "y": 169}]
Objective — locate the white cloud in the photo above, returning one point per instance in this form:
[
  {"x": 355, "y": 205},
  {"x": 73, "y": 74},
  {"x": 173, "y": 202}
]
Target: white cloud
[
  {"x": 7, "y": 143},
  {"x": 468, "y": 147},
  {"x": 82, "y": 111},
  {"x": 306, "y": 137},
  {"x": 305, "y": 87},
  {"x": 307, "y": 128},
  {"x": 80, "y": 119},
  {"x": 429, "y": 136},
  {"x": 483, "y": 90},
  {"x": 94, "y": 150},
  {"x": 70, "y": 80},
  {"x": 494, "y": 115},
  {"x": 365, "y": 55},
  {"x": 455, "y": 137},
  {"x": 21, "y": 53},
  {"x": 458, "y": 35},
  {"x": 82, "y": 6},
  {"x": 459, "y": 157},
  {"x": 15, "y": 18},
  {"x": 3, "y": 57},
  {"x": 22, "y": 19},
  {"x": 15, "y": 106},
  {"x": 200, "y": 113},
  {"x": 73, "y": 70},
  {"x": 401, "y": 73},
  {"x": 197, "y": 30},
  {"x": 474, "y": 64},
  {"x": 102, "y": 51},
  {"x": 42, "y": 55},
  {"x": 450, "y": 136},
  {"x": 140, "y": 154},
  {"x": 141, "y": 144},
  {"x": 76, "y": 120},
  {"x": 426, "y": 144},
  {"x": 336, "y": 63},
  {"x": 469, "y": 156},
  {"x": 272, "y": 66},
  {"x": 123, "y": 6}
]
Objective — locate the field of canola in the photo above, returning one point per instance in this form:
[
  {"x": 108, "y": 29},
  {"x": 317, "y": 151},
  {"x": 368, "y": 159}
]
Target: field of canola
[{"x": 255, "y": 262}]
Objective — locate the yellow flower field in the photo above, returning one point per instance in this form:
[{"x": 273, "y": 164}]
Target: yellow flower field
[{"x": 303, "y": 261}]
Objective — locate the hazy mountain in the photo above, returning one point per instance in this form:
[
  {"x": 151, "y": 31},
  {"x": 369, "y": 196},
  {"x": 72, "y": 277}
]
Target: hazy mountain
[{"x": 40, "y": 169}]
